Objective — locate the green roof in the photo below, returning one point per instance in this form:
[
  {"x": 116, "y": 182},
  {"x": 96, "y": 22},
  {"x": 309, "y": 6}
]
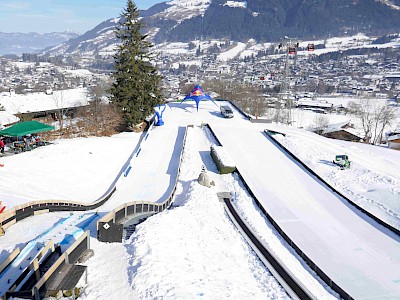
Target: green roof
[{"x": 24, "y": 128}]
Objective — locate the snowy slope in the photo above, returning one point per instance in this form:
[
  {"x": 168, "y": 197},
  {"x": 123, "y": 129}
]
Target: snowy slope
[
  {"x": 373, "y": 180},
  {"x": 184, "y": 9},
  {"x": 192, "y": 250},
  {"x": 327, "y": 230}
]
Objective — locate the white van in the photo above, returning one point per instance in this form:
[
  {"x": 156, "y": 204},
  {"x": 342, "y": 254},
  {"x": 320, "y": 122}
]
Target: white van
[{"x": 226, "y": 111}]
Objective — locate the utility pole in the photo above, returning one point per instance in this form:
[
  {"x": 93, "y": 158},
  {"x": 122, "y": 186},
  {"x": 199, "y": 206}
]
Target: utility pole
[{"x": 290, "y": 48}]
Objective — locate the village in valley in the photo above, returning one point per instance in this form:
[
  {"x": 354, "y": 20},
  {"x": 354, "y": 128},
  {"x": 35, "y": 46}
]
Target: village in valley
[
  {"x": 324, "y": 81},
  {"x": 136, "y": 164}
]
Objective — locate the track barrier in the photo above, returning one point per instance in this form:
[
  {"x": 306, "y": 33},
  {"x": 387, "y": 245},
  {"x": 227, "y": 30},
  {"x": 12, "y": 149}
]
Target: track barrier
[
  {"x": 312, "y": 265},
  {"x": 269, "y": 134},
  {"x": 289, "y": 282},
  {"x": 20, "y": 212},
  {"x": 110, "y": 228}
]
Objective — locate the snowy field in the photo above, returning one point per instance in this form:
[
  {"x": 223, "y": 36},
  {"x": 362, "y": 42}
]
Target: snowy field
[
  {"x": 19, "y": 103},
  {"x": 79, "y": 169},
  {"x": 191, "y": 251}
]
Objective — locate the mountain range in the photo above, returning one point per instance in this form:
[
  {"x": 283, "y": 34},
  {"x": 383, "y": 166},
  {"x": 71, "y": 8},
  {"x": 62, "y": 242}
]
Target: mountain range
[
  {"x": 261, "y": 20},
  {"x": 271, "y": 20},
  {"x": 18, "y": 43}
]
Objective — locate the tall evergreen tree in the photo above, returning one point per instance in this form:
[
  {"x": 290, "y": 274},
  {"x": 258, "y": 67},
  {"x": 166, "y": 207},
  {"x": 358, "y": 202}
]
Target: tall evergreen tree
[{"x": 136, "y": 87}]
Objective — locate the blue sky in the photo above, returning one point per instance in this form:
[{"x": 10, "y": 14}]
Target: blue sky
[
  {"x": 145, "y": 4},
  {"x": 60, "y": 15}
]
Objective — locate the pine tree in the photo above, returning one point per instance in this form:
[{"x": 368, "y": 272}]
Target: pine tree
[{"x": 136, "y": 87}]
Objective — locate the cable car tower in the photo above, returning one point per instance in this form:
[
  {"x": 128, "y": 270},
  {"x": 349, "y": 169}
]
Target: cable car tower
[{"x": 290, "y": 49}]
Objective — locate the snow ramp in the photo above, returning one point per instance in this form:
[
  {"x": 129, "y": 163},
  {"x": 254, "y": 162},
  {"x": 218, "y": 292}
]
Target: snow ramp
[{"x": 355, "y": 257}]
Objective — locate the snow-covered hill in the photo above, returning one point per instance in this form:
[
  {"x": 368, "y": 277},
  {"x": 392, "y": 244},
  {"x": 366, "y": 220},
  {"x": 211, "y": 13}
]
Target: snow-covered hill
[
  {"x": 98, "y": 42},
  {"x": 241, "y": 21},
  {"x": 180, "y": 10},
  {"x": 390, "y": 4},
  {"x": 192, "y": 251}
]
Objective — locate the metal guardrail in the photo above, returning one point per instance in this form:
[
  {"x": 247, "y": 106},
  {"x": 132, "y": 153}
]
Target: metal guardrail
[
  {"x": 109, "y": 228},
  {"x": 312, "y": 265}
]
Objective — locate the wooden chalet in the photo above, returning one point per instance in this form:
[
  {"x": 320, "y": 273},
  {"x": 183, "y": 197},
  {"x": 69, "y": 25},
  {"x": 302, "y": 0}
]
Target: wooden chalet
[{"x": 343, "y": 131}]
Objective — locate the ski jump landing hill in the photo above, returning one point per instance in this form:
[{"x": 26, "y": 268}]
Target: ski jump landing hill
[{"x": 353, "y": 253}]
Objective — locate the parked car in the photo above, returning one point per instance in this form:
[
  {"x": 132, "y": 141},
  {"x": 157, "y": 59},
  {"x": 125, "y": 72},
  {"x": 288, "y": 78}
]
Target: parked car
[{"x": 226, "y": 111}]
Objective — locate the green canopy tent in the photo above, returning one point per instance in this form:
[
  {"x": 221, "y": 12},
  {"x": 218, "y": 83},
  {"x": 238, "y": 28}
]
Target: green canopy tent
[{"x": 25, "y": 128}]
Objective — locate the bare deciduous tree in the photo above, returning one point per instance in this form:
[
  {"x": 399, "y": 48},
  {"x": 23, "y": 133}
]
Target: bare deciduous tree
[
  {"x": 98, "y": 119},
  {"x": 58, "y": 98},
  {"x": 97, "y": 93},
  {"x": 366, "y": 117},
  {"x": 320, "y": 123},
  {"x": 221, "y": 87},
  {"x": 247, "y": 97},
  {"x": 383, "y": 116},
  {"x": 375, "y": 116},
  {"x": 352, "y": 107}
]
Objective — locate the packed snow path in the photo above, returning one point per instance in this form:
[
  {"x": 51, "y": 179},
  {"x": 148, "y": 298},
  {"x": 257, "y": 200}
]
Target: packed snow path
[{"x": 362, "y": 259}]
